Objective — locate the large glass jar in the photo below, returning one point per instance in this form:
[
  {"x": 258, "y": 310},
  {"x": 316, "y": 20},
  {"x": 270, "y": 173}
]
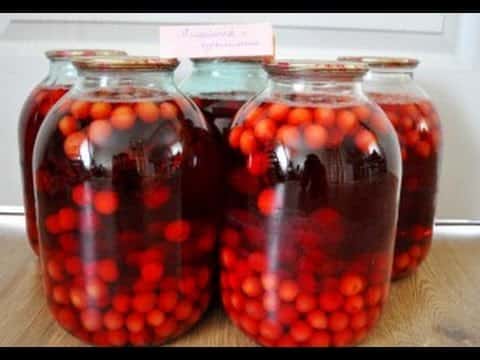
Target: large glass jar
[
  {"x": 60, "y": 78},
  {"x": 307, "y": 242},
  {"x": 127, "y": 204},
  {"x": 391, "y": 85}
]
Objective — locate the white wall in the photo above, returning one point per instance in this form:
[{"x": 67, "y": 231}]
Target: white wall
[{"x": 447, "y": 44}]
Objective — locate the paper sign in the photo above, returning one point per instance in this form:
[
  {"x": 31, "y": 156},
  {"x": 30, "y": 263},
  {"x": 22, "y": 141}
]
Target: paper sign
[{"x": 225, "y": 40}]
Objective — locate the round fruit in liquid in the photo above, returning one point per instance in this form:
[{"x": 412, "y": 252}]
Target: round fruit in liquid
[
  {"x": 419, "y": 132},
  {"x": 128, "y": 211},
  {"x": 307, "y": 242},
  {"x": 33, "y": 113}
]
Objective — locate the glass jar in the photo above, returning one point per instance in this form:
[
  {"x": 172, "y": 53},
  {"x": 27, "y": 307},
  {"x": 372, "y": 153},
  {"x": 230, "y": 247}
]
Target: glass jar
[
  {"x": 391, "y": 85},
  {"x": 307, "y": 242},
  {"x": 60, "y": 78},
  {"x": 125, "y": 180},
  {"x": 220, "y": 86}
]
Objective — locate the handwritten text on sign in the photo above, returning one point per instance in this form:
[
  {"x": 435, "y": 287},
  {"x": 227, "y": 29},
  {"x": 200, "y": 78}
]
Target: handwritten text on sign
[{"x": 202, "y": 41}]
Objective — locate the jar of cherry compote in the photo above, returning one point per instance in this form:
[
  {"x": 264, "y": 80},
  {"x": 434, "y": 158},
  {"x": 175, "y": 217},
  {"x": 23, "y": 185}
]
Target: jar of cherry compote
[
  {"x": 220, "y": 86},
  {"x": 60, "y": 78},
  {"x": 391, "y": 85},
  {"x": 126, "y": 176},
  {"x": 307, "y": 245}
]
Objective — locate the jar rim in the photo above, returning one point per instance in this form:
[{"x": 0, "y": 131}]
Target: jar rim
[
  {"x": 57, "y": 54},
  {"x": 382, "y": 61},
  {"x": 322, "y": 68},
  {"x": 126, "y": 62},
  {"x": 243, "y": 59}
]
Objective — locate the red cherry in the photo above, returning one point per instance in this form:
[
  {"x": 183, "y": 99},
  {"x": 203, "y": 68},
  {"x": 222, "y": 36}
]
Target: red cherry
[
  {"x": 177, "y": 231},
  {"x": 67, "y": 318},
  {"x": 55, "y": 270},
  {"x": 258, "y": 164},
  {"x": 183, "y": 310},
  {"x": 358, "y": 320},
  {"x": 320, "y": 339},
  {"x": 351, "y": 284},
  {"x": 167, "y": 300},
  {"x": 257, "y": 261},
  {"x": 107, "y": 270},
  {"x": 300, "y": 331},
  {"x": 143, "y": 302},
  {"x": 152, "y": 272},
  {"x": 353, "y": 304},
  {"x": 338, "y": 321},
  {"x": 288, "y": 290},
  {"x": 113, "y": 320},
  {"x": 254, "y": 309},
  {"x": 96, "y": 289},
  {"x": 342, "y": 338},
  {"x": 60, "y": 294},
  {"x": 315, "y": 136},
  {"x": 230, "y": 237},
  {"x": 317, "y": 319},
  {"x": 287, "y": 314},
  {"x": 269, "y": 201},
  {"x": 346, "y": 121},
  {"x": 374, "y": 295},
  {"x": 248, "y": 143},
  {"x": 331, "y": 300},
  {"x": 52, "y": 224},
  {"x": 299, "y": 116},
  {"x": 270, "y": 329},
  {"x": 135, "y": 322},
  {"x": 269, "y": 281},
  {"x": 278, "y": 112},
  {"x": 305, "y": 302},
  {"x": 252, "y": 286},
  {"x": 121, "y": 303},
  {"x": 324, "y": 116},
  {"x": 106, "y": 202},
  {"x": 91, "y": 319},
  {"x": 265, "y": 129}
]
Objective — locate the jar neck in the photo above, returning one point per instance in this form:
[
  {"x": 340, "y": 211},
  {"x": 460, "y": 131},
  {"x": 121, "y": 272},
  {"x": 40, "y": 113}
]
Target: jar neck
[
  {"x": 60, "y": 72},
  {"x": 96, "y": 79},
  {"x": 390, "y": 75},
  {"x": 225, "y": 79},
  {"x": 223, "y": 68},
  {"x": 349, "y": 88}
]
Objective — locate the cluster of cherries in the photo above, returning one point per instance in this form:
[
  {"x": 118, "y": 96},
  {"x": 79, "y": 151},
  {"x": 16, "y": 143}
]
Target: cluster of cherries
[
  {"x": 128, "y": 235},
  {"x": 295, "y": 269},
  {"x": 418, "y": 128},
  {"x": 36, "y": 108}
]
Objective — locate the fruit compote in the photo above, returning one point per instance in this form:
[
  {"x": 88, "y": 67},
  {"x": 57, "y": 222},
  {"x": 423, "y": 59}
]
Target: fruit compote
[
  {"x": 34, "y": 111},
  {"x": 418, "y": 128},
  {"x": 307, "y": 242},
  {"x": 390, "y": 83},
  {"x": 60, "y": 78},
  {"x": 126, "y": 180}
]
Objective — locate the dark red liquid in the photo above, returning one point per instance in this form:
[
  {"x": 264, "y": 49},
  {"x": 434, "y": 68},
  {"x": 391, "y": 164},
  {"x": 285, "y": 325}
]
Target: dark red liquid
[
  {"x": 128, "y": 211},
  {"x": 307, "y": 245},
  {"x": 36, "y": 107},
  {"x": 219, "y": 110},
  {"x": 419, "y": 133}
]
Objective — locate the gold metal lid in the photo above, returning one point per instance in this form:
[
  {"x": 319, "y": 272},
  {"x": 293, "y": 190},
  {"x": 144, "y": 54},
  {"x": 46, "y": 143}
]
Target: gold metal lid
[
  {"x": 71, "y": 53},
  {"x": 118, "y": 63},
  {"x": 382, "y": 61},
  {"x": 319, "y": 68}
]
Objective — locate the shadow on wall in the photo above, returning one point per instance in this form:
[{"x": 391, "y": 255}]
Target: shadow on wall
[{"x": 457, "y": 188}]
